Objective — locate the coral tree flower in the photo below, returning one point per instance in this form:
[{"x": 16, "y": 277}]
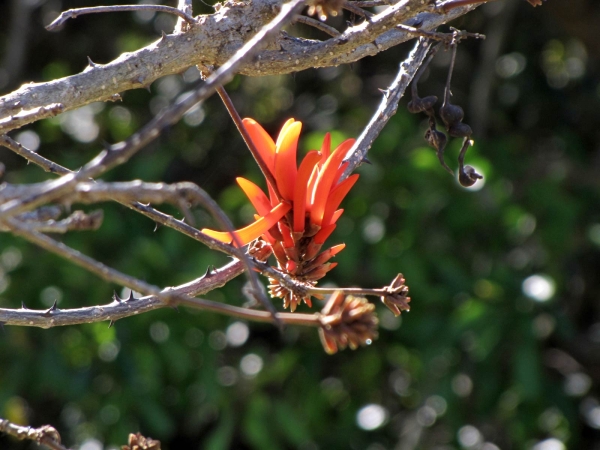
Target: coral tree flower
[{"x": 297, "y": 224}]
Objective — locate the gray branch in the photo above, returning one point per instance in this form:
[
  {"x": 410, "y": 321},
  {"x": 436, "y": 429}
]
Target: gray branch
[
  {"x": 212, "y": 42},
  {"x": 387, "y": 107}
]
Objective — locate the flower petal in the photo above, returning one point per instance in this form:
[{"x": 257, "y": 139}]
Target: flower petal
[
  {"x": 263, "y": 142},
  {"x": 285, "y": 159},
  {"x": 302, "y": 179},
  {"x": 283, "y": 130},
  {"x": 336, "y": 196},
  {"x": 255, "y": 229},
  {"x": 256, "y": 196},
  {"x": 326, "y": 179}
]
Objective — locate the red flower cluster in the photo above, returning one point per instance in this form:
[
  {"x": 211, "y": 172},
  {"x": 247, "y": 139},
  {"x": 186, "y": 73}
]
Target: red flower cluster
[{"x": 296, "y": 225}]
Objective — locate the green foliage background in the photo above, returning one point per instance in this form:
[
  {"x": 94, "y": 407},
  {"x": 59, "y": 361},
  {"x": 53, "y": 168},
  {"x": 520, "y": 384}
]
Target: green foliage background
[{"x": 475, "y": 364}]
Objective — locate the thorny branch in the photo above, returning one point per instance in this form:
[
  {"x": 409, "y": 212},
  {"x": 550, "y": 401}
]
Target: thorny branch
[
  {"x": 368, "y": 37},
  {"x": 212, "y": 42}
]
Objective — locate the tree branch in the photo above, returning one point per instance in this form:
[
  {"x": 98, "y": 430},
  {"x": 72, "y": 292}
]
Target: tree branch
[
  {"x": 213, "y": 41},
  {"x": 388, "y": 106},
  {"x": 45, "y": 435}
]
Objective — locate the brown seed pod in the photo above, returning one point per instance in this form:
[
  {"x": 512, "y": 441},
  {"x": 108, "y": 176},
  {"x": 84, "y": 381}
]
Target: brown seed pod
[
  {"x": 460, "y": 130},
  {"x": 451, "y": 114},
  {"x": 467, "y": 176},
  {"x": 418, "y": 104}
]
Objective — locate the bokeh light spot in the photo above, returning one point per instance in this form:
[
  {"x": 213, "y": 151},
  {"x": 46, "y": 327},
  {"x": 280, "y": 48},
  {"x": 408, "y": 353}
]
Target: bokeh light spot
[
  {"x": 237, "y": 334},
  {"x": 371, "y": 417},
  {"x": 539, "y": 287}
]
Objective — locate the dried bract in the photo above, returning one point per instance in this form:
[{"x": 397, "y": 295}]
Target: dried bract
[
  {"x": 396, "y": 296},
  {"x": 139, "y": 442},
  {"x": 347, "y": 321}
]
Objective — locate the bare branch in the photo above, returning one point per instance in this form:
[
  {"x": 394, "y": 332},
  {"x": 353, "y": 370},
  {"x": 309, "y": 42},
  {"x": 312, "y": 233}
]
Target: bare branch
[
  {"x": 25, "y": 116},
  {"x": 204, "y": 44},
  {"x": 388, "y": 106},
  {"x": 31, "y": 156},
  {"x": 73, "y": 13},
  {"x": 121, "y": 308},
  {"x": 45, "y": 435},
  {"x": 77, "y": 221},
  {"x": 318, "y": 25},
  {"x": 119, "y": 153}
]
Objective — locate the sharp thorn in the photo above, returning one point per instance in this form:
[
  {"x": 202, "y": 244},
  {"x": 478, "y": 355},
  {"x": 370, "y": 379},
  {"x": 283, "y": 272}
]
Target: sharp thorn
[
  {"x": 148, "y": 88},
  {"x": 175, "y": 307},
  {"x": 366, "y": 160},
  {"x": 116, "y": 298},
  {"x": 51, "y": 309},
  {"x": 111, "y": 323},
  {"x": 23, "y": 305},
  {"x": 208, "y": 273},
  {"x": 155, "y": 227},
  {"x": 164, "y": 36},
  {"x": 131, "y": 297},
  {"x": 91, "y": 63}
]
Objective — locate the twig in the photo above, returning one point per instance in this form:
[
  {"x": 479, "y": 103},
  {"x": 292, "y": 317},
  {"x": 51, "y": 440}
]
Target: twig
[
  {"x": 119, "y": 153},
  {"x": 317, "y": 24},
  {"x": 73, "y": 13},
  {"x": 370, "y": 3},
  {"x": 388, "y": 106},
  {"x": 44, "y": 163},
  {"x": 355, "y": 9},
  {"x": 24, "y": 117},
  {"x": 77, "y": 221},
  {"x": 186, "y": 7},
  {"x": 447, "y": 38},
  {"x": 45, "y": 435}
]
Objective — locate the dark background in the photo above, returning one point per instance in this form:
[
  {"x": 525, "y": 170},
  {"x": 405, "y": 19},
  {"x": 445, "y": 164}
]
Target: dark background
[{"x": 488, "y": 357}]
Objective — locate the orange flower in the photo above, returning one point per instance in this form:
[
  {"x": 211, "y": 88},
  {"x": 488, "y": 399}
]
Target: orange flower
[{"x": 297, "y": 226}]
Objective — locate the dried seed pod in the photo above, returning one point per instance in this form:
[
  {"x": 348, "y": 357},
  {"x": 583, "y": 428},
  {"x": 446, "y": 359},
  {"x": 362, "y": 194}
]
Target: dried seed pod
[
  {"x": 460, "y": 130},
  {"x": 451, "y": 114},
  {"x": 436, "y": 139},
  {"x": 467, "y": 176},
  {"x": 418, "y": 104}
]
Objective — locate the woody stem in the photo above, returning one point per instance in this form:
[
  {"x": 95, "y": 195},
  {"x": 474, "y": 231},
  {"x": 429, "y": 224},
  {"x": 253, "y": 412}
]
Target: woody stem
[{"x": 240, "y": 126}]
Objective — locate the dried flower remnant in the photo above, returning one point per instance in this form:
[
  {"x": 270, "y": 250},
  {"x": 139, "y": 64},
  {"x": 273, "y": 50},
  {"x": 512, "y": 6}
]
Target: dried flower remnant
[
  {"x": 296, "y": 224},
  {"x": 139, "y": 442},
  {"x": 396, "y": 296},
  {"x": 347, "y": 321}
]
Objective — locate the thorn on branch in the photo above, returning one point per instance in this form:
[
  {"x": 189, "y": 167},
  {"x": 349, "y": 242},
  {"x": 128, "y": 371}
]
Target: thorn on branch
[{"x": 50, "y": 310}]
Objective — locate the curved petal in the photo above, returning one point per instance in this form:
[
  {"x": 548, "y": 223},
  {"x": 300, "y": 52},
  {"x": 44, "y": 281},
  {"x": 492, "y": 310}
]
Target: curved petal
[
  {"x": 255, "y": 229},
  {"x": 302, "y": 178},
  {"x": 336, "y": 196},
  {"x": 323, "y": 234},
  {"x": 256, "y": 196},
  {"x": 263, "y": 142},
  {"x": 285, "y": 160},
  {"x": 325, "y": 181},
  {"x": 283, "y": 130}
]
